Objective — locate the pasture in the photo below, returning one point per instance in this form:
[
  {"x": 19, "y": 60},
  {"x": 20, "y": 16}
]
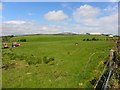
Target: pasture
[{"x": 54, "y": 61}]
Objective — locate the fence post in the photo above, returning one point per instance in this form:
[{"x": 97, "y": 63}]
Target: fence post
[{"x": 110, "y": 67}]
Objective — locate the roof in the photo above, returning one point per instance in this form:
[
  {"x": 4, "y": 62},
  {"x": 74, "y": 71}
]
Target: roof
[{"x": 96, "y": 33}]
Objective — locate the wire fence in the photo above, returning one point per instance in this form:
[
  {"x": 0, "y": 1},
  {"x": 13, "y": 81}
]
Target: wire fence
[{"x": 102, "y": 82}]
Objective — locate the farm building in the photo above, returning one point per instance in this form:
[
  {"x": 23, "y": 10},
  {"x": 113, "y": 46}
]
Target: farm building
[
  {"x": 95, "y": 33},
  {"x": 111, "y": 35}
]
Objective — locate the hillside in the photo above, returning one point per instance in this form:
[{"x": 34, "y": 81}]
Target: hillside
[{"x": 54, "y": 61}]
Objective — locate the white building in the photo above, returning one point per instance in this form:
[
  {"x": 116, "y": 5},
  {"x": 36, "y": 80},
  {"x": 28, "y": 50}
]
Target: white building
[
  {"x": 95, "y": 33},
  {"x": 110, "y": 35}
]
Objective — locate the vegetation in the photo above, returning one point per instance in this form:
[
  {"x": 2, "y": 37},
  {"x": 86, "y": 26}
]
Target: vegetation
[
  {"x": 7, "y": 38},
  {"x": 54, "y": 61},
  {"x": 22, "y": 40},
  {"x": 115, "y": 79}
]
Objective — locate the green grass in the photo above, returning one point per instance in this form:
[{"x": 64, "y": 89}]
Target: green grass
[{"x": 73, "y": 66}]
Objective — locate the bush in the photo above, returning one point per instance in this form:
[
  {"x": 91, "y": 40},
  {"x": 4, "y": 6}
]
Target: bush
[
  {"x": 38, "y": 61},
  {"x": 51, "y": 59},
  {"x": 47, "y": 60},
  {"x": 22, "y": 40},
  {"x": 33, "y": 60},
  {"x": 7, "y": 38},
  {"x": 29, "y": 62},
  {"x": 97, "y": 39},
  {"x": 83, "y": 39},
  {"x": 88, "y": 39},
  {"x": 93, "y": 39}
]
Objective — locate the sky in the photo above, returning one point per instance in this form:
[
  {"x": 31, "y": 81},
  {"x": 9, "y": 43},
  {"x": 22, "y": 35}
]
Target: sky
[
  {"x": 60, "y": 0},
  {"x": 20, "y": 18}
]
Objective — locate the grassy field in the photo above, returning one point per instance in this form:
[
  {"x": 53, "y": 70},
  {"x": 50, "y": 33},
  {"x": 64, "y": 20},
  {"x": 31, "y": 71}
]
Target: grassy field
[{"x": 54, "y": 61}]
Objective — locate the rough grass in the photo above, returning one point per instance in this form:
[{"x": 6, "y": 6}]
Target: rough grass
[{"x": 74, "y": 66}]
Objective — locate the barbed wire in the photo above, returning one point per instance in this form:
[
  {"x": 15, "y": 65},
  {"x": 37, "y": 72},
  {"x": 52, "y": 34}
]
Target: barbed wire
[{"x": 101, "y": 74}]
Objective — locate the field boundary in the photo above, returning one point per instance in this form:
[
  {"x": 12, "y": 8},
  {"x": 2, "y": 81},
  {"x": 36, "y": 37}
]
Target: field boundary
[{"x": 102, "y": 82}]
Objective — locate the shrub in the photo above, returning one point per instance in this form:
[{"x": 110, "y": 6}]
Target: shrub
[
  {"x": 83, "y": 39},
  {"x": 47, "y": 60},
  {"x": 29, "y": 62},
  {"x": 93, "y": 39},
  {"x": 22, "y": 40},
  {"x": 88, "y": 39},
  {"x": 7, "y": 38},
  {"x": 51, "y": 59},
  {"x": 33, "y": 60},
  {"x": 38, "y": 61},
  {"x": 97, "y": 39}
]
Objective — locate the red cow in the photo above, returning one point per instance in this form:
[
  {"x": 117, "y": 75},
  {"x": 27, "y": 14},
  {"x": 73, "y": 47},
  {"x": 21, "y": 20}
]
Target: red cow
[{"x": 17, "y": 44}]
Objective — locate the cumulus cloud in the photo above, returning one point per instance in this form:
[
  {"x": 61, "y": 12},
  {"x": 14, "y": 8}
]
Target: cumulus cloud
[
  {"x": 55, "y": 15},
  {"x": 17, "y": 27},
  {"x": 106, "y": 24},
  {"x": 89, "y": 16},
  {"x": 86, "y": 12},
  {"x": 86, "y": 15}
]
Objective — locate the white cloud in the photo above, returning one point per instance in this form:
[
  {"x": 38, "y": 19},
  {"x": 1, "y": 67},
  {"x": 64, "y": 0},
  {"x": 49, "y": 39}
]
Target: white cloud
[
  {"x": 56, "y": 15},
  {"x": 15, "y": 22},
  {"x": 87, "y": 15},
  {"x": 111, "y": 9},
  {"x": 85, "y": 12},
  {"x": 90, "y": 18},
  {"x": 1, "y": 6},
  {"x": 17, "y": 27},
  {"x": 109, "y": 23},
  {"x": 106, "y": 24}
]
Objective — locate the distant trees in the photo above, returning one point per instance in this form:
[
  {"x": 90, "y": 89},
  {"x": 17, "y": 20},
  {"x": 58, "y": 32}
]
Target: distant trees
[
  {"x": 93, "y": 39},
  {"x": 6, "y": 38},
  {"x": 88, "y": 33},
  {"x": 22, "y": 40}
]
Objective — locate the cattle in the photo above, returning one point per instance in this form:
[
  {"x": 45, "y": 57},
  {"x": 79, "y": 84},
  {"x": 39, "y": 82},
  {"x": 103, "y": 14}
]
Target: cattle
[
  {"x": 5, "y": 45},
  {"x": 15, "y": 44}
]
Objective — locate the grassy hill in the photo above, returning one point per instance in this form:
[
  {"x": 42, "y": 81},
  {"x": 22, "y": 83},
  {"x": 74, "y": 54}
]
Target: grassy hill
[{"x": 54, "y": 61}]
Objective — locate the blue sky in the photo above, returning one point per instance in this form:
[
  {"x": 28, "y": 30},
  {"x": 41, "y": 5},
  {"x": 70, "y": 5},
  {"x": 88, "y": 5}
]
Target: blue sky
[
  {"x": 55, "y": 17},
  {"x": 21, "y": 10}
]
